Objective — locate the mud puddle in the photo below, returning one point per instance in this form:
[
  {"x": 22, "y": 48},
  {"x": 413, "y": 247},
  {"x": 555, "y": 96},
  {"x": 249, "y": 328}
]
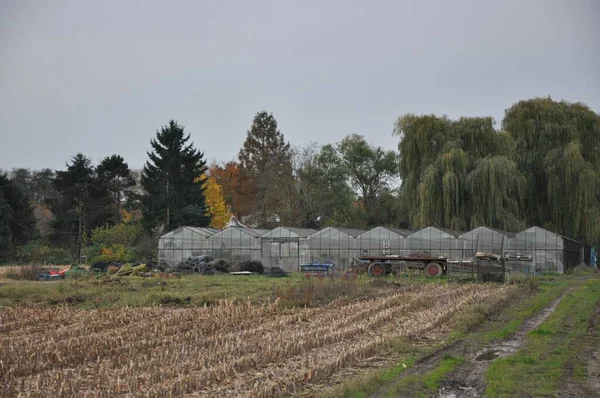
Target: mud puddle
[{"x": 468, "y": 380}]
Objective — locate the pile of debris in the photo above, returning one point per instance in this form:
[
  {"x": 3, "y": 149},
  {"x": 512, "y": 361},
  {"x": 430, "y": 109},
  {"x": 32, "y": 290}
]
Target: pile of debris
[
  {"x": 275, "y": 272},
  {"x": 203, "y": 264},
  {"x": 253, "y": 266}
]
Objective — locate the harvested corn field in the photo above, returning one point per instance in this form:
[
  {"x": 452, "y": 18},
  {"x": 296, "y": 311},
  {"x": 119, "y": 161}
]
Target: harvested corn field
[{"x": 229, "y": 349}]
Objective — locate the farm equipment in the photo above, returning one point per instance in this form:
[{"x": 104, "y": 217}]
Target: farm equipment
[
  {"x": 387, "y": 264},
  {"x": 487, "y": 266},
  {"x": 317, "y": 269}
]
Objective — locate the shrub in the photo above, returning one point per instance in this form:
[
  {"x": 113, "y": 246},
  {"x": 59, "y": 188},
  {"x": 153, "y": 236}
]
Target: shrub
[
  {"x": 583, "y": 269},
  {"x": 120, "y": 234},
  {"x": 117, "y": 253},
  {"x": 38, "y": 253}
]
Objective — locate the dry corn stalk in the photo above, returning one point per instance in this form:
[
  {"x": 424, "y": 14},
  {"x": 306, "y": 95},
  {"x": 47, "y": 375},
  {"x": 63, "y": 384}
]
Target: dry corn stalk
[{"x": 239, "y": 349}]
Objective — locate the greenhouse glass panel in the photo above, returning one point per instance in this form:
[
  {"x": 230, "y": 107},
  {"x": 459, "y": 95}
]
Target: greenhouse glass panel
[
  {"x": 335, "y": 245},
  {"x": 545, "y": 249},
  {"x": 436, "y": 242},
  {"x": 236, "y": 244},
  {"x": 182, "y": 243},
  {"x": 484, "y": 239},
  {"x": 285, "y": 247},
  {"x": 382, "y": 241}
]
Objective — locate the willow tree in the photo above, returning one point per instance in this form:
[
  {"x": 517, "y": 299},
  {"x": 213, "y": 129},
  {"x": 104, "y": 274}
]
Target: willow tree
[
  {"x": 454, "y": 164},
  {"x": 539, "y": 126},
  {"x": 422, "y": 139},
  {"x": 441, "y": 165},
  {"x": 497, "y": 194},
  {"x": 572, "y": 188}
]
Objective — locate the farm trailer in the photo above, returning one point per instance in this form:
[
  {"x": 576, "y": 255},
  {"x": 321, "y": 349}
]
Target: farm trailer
[
  {"x": 384, "y": 265},
  {"x": 482, "y": 263}
]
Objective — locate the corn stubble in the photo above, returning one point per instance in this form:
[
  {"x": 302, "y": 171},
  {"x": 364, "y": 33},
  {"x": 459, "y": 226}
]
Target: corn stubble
[{"x": 230, "y": 349}]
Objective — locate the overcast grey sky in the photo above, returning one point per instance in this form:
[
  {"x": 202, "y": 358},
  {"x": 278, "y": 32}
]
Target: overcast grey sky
[{"x": 99, "y": 77}]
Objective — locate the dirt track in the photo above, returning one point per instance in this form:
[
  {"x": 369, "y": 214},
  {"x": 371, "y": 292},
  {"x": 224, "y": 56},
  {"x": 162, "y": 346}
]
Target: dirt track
[{"x": 469, "y": 379}]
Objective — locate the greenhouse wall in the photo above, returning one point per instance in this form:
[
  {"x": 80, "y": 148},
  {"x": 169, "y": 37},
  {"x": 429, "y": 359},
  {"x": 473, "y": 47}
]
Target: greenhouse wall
[
  {"x": 236, "y": 244},
  {"x": 335, "y": 245},
  {"x": 484, "y": 239},
  {"x": 182, "y": 243},
  {"x": 286, "y": 248},
  {"x": 381, "y": 241},
  {"x": 534, "y": 250},
  {"x": 545, "y": 249},
  {"x": 436, "y": 242}
]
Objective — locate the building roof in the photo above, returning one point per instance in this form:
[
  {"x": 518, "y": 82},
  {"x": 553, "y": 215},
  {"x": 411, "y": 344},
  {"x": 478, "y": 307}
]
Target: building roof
[
  {"x": 401, "y": 232},
  {"x": 535, "y": 229},
  {"x": 448, "y": 231},
  {"x": 205, "y": 232},
  {"x": 495, "y": 230},
  {"x": 249, "y": 231},
  {"x": 348, "y": 231},
  {"x": 300, "y": 232},
  {"x": 351, "y": 231}
]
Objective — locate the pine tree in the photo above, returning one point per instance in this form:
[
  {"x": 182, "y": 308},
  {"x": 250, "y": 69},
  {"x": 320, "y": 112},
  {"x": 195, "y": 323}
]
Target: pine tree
[
  {"x": 80, "y": 205},
  {"x": 171, "y": 196},
  {"x": 17, "y": 223},
  {"x": 266, "y": 160},
  {"x": 113, "y": 174}
]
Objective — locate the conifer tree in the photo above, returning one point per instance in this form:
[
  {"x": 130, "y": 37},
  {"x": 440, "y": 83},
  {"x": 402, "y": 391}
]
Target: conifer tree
[{"x": 172, "y": 197}]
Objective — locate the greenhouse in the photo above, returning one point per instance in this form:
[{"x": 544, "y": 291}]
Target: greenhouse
[
  {"x": 285, "y": 247},
  {"x": 182, "y": 243},
  {"x": 335, "y": 245},
  {"x": 533, "y": 250},
  {"x": 235, "y": 244},
  {"x": 382, "y": 240},
  {"x": 545, "y": 251}
]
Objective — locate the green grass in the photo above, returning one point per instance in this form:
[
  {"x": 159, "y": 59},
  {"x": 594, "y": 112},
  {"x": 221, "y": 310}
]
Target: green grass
[
  {"x": 547, "y": 290},
  {"x": 427, "y": 384},
  {"x": 447, "y": 365},
  {"x": 537, "y": 368},
  {"x": 87, "y": 293},
  {"x": 516, "y": 310}
]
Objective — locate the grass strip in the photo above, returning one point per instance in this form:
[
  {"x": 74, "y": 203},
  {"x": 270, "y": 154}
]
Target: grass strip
[{"x": 536, "y": 369}]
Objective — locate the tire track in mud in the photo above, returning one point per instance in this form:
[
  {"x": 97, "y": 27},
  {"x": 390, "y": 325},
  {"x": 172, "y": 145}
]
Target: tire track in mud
[{"x": 468, "y": 381}]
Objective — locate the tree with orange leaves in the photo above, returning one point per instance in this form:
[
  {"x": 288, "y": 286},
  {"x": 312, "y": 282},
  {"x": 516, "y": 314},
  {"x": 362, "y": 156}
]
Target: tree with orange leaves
[{"x": 236, "y": 187}]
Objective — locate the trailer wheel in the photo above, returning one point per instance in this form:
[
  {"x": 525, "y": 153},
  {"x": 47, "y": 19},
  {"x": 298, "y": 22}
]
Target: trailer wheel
[
  {"x": 433, "y": 270},
  {"x": 376, "y": 269}
]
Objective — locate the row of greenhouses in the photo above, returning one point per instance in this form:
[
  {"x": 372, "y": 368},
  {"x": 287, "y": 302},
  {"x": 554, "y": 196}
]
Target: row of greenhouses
[{"x": 532, "y": 249}]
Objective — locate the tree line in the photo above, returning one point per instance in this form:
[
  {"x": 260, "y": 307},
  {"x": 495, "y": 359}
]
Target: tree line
[{"x": 542, "y": 167}]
